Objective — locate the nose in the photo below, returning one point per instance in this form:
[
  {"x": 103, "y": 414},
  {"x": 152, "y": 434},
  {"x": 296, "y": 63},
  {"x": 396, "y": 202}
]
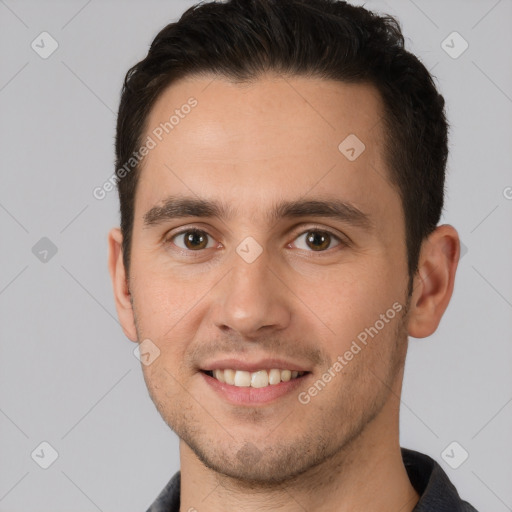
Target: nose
[{"x": 253, "y": 298}]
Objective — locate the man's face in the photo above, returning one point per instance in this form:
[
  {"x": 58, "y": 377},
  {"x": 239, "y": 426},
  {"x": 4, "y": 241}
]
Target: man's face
[{"x": 317, "y": 285}]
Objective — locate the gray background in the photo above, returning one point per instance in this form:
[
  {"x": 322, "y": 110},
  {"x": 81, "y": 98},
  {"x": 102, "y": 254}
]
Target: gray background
[{"x": 68, "y": 374}]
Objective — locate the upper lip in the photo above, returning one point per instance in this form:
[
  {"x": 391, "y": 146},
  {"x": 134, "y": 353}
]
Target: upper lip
[{"x": 261, "y": 364}]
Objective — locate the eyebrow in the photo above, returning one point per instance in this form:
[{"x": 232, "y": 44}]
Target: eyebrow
[{"x": 175, "y": 207}]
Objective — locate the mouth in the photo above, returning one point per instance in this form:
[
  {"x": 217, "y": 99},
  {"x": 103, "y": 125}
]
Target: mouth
[{"x": 258, "y": 379}]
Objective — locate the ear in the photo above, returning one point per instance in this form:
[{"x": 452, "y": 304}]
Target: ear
[
  {"x": 434, "y": 280},
  {"x": 120, "y": 284}
]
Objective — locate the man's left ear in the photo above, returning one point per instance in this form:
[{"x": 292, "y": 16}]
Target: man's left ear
[{"x": 433, "y": 281}]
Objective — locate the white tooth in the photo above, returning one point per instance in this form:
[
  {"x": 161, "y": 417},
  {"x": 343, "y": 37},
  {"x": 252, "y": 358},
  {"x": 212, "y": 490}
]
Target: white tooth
[
  {"x": 274, "y": 376},
  {"x": 286, "y": 375},
  {"x": 219, "y": 375},
  {"x": 229, "y": 376},
  {"x": 259, "y": 379},
  {"x": 242, "y": 378}
]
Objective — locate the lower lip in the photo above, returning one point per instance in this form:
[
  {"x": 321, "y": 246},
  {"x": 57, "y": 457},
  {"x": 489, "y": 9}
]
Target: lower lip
[{"x": 251, "y": 396}]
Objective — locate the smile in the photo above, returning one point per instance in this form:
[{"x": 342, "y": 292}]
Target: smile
[{"x": 257, "y": 379}]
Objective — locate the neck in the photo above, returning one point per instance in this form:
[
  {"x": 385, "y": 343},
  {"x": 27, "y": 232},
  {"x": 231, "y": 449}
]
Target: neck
[{"x": 367, "y": 474}]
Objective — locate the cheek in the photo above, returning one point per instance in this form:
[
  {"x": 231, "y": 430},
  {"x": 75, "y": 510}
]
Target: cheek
[
  {"x": 350, "y": 304},
  {"x": 169, "y": 310},
  {"x": 162, "y": 300}
]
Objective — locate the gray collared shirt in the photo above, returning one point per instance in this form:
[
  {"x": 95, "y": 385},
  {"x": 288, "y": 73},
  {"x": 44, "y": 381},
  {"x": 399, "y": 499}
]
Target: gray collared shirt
[{"x": 437, "y": 493}]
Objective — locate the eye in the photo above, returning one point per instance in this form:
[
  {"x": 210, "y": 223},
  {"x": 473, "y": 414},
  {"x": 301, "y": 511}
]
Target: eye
[
  {"x": 316, "y": 240},
  {"x": 192, "y": 240},
  {"x": 195, "y": 240}
]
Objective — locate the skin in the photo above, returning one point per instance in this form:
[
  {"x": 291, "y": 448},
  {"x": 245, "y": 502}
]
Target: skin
[{"x": 252, "y": 146}]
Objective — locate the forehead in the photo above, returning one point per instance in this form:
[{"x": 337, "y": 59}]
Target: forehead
[
  {"x": 277, "y": 137},
  {"x": 277, "y": 112}
]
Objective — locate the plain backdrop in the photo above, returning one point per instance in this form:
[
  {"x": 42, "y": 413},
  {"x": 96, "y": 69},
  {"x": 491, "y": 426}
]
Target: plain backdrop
[{"x": 69, "y": 376}]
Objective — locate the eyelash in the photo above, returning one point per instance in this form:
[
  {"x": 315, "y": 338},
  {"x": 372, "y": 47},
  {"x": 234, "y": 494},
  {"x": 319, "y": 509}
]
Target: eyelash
[{"x": 341, "y": 242}]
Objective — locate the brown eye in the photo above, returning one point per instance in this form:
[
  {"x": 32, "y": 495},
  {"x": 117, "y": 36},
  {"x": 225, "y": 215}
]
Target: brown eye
[
  {"x": 192, "y": 240},
  {"x": 316, "y": 240}
]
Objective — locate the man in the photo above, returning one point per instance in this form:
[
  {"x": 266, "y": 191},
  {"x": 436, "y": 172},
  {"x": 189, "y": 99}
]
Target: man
[{"x": 280, "y": 167}]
